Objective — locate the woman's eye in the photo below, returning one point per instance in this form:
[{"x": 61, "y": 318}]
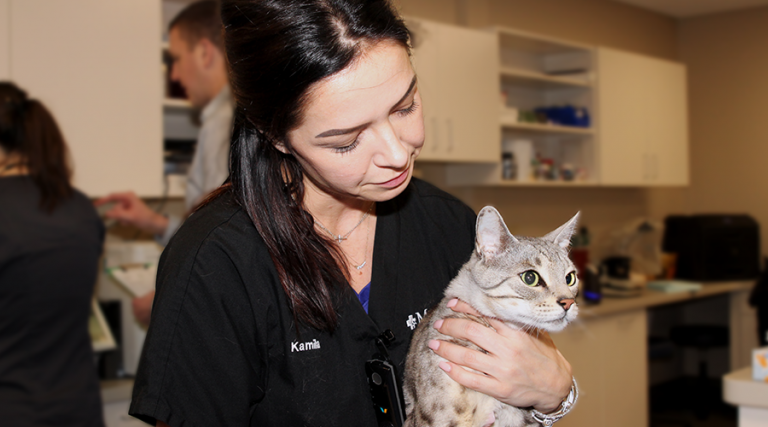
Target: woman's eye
[
  {"x": 570, "y": 279},
  {"x": 408, "y": 110},
  {"x": 348, "y": 148},
  {"x": 530, "y": 278}
]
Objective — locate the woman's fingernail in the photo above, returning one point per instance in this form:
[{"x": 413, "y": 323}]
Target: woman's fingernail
[
  {"x": 438, "y": 323},
  {"x": 452, "y": 303},
  {"x": 434, "y": 344},
  {"x": 445, "y": 366}
]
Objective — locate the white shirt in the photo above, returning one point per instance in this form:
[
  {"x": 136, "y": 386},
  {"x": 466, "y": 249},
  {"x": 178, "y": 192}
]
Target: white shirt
[{"x": 210, "y": 163}]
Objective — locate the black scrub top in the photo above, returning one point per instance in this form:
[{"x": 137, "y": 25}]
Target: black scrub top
[
  {"x": 48, "y": 266},
  {"x": 223, "y": 349}
]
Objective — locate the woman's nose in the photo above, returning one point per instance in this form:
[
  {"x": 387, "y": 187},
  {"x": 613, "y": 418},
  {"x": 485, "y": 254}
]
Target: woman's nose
[{"x": 393, "y": 153}]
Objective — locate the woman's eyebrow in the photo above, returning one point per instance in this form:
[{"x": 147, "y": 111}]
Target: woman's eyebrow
[{"x": 337, "y": 132}]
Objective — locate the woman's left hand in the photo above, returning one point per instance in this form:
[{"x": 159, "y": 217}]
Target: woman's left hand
[{"x": 521, "y": 368}]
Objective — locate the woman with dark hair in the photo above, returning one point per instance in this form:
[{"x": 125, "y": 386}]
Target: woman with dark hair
[
  {"x": 272, "y": 296},
  {"x": 50, "y": 243}
]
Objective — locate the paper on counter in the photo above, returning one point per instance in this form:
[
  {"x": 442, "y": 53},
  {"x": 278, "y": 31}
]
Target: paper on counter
[
  {"x": 673, "y": 286},
  {"x": 138, "y": 279}
]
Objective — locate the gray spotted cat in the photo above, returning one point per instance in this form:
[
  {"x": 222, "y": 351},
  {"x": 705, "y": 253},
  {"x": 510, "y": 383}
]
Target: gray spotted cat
[{"x": 526, "y": 283}]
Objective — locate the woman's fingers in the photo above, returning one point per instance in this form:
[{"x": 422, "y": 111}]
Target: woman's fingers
[
  {"x": 461, "y": 355},
  {"x": 519, "y": 367},
  {"x": 462, "y": 307}
]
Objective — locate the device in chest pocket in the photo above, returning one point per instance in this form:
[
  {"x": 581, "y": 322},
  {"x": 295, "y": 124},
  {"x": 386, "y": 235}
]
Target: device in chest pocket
[{"x": 382, "y": 379}]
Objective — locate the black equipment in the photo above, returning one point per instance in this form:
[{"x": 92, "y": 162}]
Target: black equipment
[
  {"x": 714, "y": 247},
  {"x": 382, "y": 379}
]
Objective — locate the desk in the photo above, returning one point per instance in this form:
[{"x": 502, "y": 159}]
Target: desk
[
  {"x": 749, "y": 395},
  {"x": 608, "y": 350}
]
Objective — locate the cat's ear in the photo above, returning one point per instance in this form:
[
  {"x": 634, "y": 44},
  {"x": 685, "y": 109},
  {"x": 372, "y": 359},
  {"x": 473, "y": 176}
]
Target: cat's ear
[
  {"x": 492, "y": 235},
  {"x": 562, "y": 236}
]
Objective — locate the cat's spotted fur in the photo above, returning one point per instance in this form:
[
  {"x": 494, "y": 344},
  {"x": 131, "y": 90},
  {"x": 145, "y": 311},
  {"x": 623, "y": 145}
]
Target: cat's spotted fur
[{"x": 493, "y": 281}]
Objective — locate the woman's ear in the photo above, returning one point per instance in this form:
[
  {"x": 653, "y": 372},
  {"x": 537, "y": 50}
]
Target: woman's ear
[{"x": 280, "y": 145}]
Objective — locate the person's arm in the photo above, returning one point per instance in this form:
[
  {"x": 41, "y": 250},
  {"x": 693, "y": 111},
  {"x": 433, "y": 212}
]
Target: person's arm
[
  {"x": 524, "y": 368},
  {"x": 129, "y": 209},
  {"x": 142, "y": 308}
]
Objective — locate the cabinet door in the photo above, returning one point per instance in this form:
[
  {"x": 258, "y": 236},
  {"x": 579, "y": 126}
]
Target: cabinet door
[
  {"x": 622, "y": 121},
  {"x": 469, "y": 85},
  {"x": 668, "y": 124},
  {"x": 458, "y": 82},
  {"x": 608, "y": 355},
  {"x": 643, "y": 120},
  {"x": 5, "y": 39},
  {"x": 425, "y": 59},
  {"x": 95, "y": 64}
]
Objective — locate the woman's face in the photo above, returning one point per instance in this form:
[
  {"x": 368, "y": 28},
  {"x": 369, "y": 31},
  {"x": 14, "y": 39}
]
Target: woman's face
[{"x": 362, "y": 128}]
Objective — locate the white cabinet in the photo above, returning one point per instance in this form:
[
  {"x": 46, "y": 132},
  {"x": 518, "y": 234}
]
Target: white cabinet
[
  {"x": 643, "y": 120},
  {"x": 537, "y": 72},
  {"x": 608, "y": 355},
  {"x": 94, "y": 63},
  {"x": 458, "y": 81}
]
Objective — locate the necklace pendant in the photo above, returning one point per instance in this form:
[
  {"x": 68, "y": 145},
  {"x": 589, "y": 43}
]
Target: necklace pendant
[
  {"x": 359, "y": 267},
  {"x": 339, "y": 239}
]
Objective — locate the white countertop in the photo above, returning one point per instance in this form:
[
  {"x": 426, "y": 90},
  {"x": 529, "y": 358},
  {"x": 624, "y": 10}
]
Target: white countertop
[
  {"x": 740, "y": 389},
  {"x": 651, "y": 298}
]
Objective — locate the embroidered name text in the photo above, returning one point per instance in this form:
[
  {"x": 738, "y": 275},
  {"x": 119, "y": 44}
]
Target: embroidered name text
[{"x": 304, "y": 346}]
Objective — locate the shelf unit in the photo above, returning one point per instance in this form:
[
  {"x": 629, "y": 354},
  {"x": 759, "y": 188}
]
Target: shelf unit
[
  {"x": 537, "y": 71},
  {"x": 178, "y": 114}
]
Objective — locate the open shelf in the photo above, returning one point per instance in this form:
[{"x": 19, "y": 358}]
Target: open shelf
[
  {"x": 558, "y": 183},
  {"x": 535, "y": 80},
  {"x": 510, "y": 124}
]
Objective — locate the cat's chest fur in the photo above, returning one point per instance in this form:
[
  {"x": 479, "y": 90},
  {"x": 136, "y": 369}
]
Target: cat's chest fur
[{"x": 525, "y": 282}]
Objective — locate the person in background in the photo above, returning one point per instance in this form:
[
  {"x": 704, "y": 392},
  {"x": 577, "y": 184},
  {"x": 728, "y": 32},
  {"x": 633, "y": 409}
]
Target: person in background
[
  {"x": 196, "y": 47},
  {"x": 50, "y": 242},
  {"x": 271, "y": 297}
]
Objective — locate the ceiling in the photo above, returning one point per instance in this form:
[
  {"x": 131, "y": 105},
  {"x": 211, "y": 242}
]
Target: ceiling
[{"x": 688, "y": 8}]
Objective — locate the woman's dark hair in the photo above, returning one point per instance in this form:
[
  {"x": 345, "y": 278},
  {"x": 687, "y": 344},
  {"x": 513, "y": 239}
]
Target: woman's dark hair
[
  {"x": 28, "y": 129},
  {"x": 276, "y": 51}
]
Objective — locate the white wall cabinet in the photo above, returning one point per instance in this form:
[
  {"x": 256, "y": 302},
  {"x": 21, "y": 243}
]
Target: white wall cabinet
[
  {"x": 458, "y": 73},
  {"x": 94, "y": 64},
  {"x": 643, "y": 120},
  {"x": 534, "y": 72}
]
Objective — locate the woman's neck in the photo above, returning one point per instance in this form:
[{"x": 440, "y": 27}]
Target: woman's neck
[{"x": 336, "y": 214}]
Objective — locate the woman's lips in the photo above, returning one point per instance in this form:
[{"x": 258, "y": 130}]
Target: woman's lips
[{"x": 392, "y": 183}]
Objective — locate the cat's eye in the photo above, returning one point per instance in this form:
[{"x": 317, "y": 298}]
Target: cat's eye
[
  {"x": 570, "y": 279},
  {"x": 530, "y": 278}
]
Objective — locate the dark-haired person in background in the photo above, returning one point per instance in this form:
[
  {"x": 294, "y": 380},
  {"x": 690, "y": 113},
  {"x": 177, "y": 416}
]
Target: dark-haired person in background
[
  {"x": 271, "y": 296},
  {"x": 196, "y": 46},
  {"x": 50, "y": 242}
]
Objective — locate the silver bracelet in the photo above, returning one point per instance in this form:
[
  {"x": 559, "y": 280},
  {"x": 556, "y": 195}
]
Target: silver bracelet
[{"x": 565, "y": 407}]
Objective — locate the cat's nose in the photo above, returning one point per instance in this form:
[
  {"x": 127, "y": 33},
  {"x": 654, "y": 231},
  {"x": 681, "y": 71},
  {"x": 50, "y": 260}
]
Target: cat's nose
[{"x": 566, "y": 303}]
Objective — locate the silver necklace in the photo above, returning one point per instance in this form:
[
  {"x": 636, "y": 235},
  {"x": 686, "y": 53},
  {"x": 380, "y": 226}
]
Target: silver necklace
[
  {"x": 338, "y": 237},
  {"x": 365, "y": 250}
]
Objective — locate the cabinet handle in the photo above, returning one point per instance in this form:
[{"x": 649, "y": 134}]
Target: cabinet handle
[
  {"x": 646, "y": 167},
  {"x": 436, "y": 136},
  {"x": 449, "y": 134}
]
